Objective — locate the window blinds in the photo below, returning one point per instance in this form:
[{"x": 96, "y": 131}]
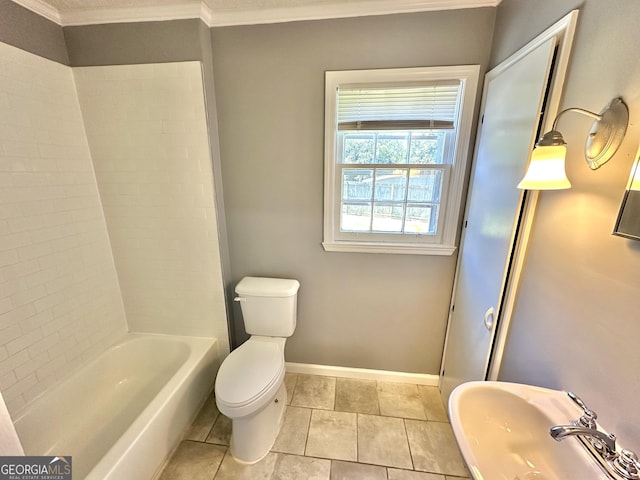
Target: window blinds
[{"x": 413, "y": 107}]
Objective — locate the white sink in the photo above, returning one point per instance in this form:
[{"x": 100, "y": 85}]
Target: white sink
[{"x": 503, "y": 433}]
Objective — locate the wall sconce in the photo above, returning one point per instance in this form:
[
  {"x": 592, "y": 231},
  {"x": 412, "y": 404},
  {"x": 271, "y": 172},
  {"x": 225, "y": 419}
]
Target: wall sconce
[{"x": 546, "y": 168}]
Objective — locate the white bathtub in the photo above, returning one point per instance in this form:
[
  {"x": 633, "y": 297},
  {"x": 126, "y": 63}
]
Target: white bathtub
[{"x": 122, "y": 414}]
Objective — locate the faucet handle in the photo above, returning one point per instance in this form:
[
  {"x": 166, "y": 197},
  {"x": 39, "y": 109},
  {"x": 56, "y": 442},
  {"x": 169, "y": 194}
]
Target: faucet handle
[
  {"x": 627, "y": 464},
  {"x": 588, "y": 419}
]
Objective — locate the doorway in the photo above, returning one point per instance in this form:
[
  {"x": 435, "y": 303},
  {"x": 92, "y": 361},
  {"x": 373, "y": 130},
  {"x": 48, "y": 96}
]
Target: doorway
[{"x": 520, "y": 95}]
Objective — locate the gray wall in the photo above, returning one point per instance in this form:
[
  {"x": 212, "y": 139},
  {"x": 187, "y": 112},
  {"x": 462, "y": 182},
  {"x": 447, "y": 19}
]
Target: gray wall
[
  {"x": 216, "y": 165},
  {"x": 576, "y": 323},
  {"x": 358, "y": 310},
  {"x": 131, "y": 43},
  {"x": 30, "y": 32}
]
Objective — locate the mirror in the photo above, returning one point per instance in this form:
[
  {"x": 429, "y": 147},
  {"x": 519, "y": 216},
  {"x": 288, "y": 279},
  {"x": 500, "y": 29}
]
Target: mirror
[{"x": 628, "y": 222}]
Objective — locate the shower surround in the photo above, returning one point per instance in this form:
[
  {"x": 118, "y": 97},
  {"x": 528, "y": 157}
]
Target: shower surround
[
  {"x": 147, "y": 132},
  {"x": 107, "y": 216},
  {"x": 60, "y": 303}
]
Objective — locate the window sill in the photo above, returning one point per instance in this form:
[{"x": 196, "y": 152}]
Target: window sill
[{"x": 394, "y": 248}]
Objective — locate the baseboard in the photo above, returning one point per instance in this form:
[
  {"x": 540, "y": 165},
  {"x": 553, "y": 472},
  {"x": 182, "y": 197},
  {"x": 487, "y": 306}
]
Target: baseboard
[{"x": 363, "y": 373}]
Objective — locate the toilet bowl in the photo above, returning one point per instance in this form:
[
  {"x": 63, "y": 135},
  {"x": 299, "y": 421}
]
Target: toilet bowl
[
  {"x": 249, "y": 387},
  {"x": 250, "y": 391}
]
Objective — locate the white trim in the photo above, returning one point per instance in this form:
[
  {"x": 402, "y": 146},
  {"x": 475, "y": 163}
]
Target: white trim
[
  {"x": 249, "y": 16},
  {"x": 343, "y": 10},
  {"x": 93, "y": 16},
  {"x": 206, "y": 14},
  {"x": 363, "y": 373},
  {"x": 564, "y": 28},
  {"x": 41, "y": 8},
  {"x": 444, "y": 241},
  {"x": 510, "y": 276},
  {"x": 362, "y": 247}
]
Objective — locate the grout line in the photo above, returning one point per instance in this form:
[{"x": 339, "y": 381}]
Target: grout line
[
  {"x": 335, "y": 390},
  {"x": 357, "y": 438},
  {"x": 293, "y": 388},
  {"x": 227, "y": 451},
  {"x": 211, "y": 427},
  {"x": 306, "y": 440},
  {"x": 404, "y": 424},
  {"x": 333, "y": 460}
]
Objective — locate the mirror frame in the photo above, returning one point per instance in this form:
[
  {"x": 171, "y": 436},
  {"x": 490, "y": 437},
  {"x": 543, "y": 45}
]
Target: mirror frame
[{"x": 628, "y": 221}]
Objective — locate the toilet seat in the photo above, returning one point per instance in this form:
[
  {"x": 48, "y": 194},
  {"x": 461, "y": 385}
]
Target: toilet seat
[{"x": 249, "y": 377}]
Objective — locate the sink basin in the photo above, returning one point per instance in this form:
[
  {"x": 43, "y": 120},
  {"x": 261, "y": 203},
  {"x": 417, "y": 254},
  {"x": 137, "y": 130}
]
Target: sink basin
[{"x": 503, "y": 433}]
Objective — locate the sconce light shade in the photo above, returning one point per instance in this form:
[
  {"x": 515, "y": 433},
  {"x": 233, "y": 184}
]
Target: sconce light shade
[{"x": 546, "y": 168}]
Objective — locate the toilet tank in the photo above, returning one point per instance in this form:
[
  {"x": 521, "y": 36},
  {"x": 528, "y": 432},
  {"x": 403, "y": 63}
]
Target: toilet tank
[{"x": 268, "y": 305}]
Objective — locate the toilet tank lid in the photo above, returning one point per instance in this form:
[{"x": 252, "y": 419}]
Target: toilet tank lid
[{"x": 267, "y": 287}]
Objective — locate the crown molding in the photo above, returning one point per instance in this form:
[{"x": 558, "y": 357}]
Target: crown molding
[
  {"x": 249, "y": 16},
  {"x": 41, "y": 8},
  {"x": 92, "y": 16},
  {"x": 343, "y": 10},
  {"x": 206, "y": 14}
]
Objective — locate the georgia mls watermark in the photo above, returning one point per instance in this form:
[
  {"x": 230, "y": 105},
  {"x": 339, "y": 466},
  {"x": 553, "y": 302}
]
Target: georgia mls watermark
[{"x": 35, "y": 468}]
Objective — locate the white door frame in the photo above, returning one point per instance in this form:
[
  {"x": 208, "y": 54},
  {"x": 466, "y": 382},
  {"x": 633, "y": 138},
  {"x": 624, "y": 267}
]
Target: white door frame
[{"x": 563, "y": 31}]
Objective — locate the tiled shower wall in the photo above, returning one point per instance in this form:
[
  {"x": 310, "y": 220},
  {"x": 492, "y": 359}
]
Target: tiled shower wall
[
  {"x": 147, "y": 132},
  {"x": 59, "y": 298}
]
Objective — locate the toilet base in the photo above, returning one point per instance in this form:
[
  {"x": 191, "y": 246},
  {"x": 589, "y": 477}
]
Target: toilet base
[{"x": 252, "y": 437}]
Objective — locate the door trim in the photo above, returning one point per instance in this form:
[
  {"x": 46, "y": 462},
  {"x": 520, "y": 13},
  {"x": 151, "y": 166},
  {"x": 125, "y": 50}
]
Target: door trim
[{"x": 563, "y": 31}]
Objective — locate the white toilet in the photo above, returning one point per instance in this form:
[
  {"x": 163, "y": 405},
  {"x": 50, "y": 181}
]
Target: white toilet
[{"x": 250, "y": 387}]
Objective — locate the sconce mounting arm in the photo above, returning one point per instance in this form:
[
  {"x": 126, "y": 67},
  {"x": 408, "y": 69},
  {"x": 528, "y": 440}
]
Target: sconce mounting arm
[
  {"x": 577, "y": 110},
  {"x": 605, "y": 136}
]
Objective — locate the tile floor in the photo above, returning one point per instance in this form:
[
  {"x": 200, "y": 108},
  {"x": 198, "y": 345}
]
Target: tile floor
[{"x": 333, "y": 429}]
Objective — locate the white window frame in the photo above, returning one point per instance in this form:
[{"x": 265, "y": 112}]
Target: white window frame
[{"x": 444, "y": 242}]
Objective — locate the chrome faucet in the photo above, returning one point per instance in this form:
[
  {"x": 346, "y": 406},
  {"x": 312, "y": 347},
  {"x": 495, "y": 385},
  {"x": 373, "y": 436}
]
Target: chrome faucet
[
  {"x": 588, "y": 418},
  {"x": 586, "y": 426},
  {"x": 560, "y": 432},
  {"x": 623, "y": 465}
]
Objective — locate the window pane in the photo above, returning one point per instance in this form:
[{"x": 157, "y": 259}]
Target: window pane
[
  {"x": 387, "y": 218},
  {"x": 421, "y": 219},
  {"x": 392, "y": 165},
  {"x": 355, "y": 217},
  {"x": 391, "y": 185},
  {"x": 425, "y": 185},
  {"x": 357, "y": 184},
  {"x": 391, "y": 147},
  {"x": 358, "y": 148},
  {"x": 427, "y": 147}
]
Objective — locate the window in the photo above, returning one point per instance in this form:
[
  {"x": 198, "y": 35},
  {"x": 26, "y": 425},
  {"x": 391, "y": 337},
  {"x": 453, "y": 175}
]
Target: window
[{"x": 396, "y": 146}]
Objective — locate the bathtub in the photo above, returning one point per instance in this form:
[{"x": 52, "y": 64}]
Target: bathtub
[{"x": 122, "y": 414}]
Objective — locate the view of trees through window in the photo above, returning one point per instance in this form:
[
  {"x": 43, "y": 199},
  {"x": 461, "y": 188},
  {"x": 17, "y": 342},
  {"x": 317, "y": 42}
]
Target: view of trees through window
[
  {"x": 389, "y": 192},
  {"x": 393, "y": 147}
]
